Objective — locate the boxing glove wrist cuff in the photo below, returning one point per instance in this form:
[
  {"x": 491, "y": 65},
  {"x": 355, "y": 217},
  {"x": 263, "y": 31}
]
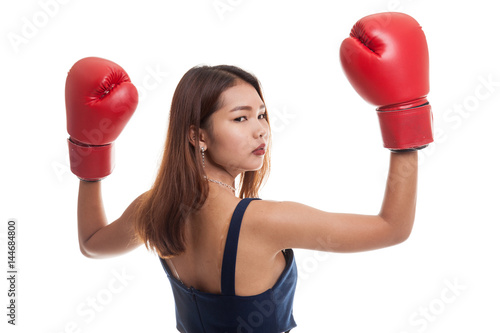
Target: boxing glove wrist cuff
[
  {"x": 90, "y": 163},
  {"x": 407, "y": 150},
  {"x": 406, "y": 129},
  {"x": 404, "y": 106}
]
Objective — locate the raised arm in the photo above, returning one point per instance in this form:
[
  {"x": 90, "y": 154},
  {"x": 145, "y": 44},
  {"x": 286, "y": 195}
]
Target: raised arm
[
  {"x": 97, "y": 238},
  {"x": 386, "y": 61},
  {"x": 100, "y": 99}
]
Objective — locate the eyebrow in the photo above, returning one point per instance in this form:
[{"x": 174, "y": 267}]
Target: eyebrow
[{"x": 246, "y": 108}]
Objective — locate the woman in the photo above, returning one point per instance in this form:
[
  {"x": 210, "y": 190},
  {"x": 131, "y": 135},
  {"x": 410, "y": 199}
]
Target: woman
[{"x": 219, "y": 130}]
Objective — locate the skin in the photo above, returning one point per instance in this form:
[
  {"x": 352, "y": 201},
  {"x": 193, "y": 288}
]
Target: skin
[
  {"x": 268, "y": 226},
  {"x": 238, "y": 128}
]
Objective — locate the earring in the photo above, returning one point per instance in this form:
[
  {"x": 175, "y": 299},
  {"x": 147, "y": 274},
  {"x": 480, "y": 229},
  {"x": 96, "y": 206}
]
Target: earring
[{"x": 203, "y": 156}]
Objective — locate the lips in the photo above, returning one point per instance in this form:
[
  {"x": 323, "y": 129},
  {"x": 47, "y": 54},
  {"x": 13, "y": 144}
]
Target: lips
[{"x": 261, "y": 147}]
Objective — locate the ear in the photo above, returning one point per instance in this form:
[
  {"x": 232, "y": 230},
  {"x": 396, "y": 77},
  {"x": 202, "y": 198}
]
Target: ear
[{"x": 200, "y": 134}]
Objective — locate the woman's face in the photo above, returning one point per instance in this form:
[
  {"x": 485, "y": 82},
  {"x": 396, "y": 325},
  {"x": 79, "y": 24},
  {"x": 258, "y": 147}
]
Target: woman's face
[{"x": 239, "y": 129}]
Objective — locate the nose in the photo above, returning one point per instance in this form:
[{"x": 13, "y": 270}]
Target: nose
[{"x": 262, "y": 130}]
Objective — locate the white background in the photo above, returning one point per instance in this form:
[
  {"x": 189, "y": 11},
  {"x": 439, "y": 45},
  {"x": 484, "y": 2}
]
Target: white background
[{"x": 327, "y": 153}]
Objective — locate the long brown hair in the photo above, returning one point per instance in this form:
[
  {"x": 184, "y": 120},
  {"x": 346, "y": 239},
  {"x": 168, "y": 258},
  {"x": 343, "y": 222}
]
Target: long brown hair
[{"x": 180, "y": 187}]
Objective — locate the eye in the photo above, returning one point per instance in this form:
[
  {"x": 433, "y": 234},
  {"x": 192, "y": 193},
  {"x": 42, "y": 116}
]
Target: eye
[
  {"x": 260, "y": 117},
  {"x": 238, "y": 119}
]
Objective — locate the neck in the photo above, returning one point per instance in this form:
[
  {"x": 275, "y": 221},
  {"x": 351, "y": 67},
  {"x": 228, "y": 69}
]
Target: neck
[
  {"x": 221, "y": 175},
  {"x": 229, "y": 187}
]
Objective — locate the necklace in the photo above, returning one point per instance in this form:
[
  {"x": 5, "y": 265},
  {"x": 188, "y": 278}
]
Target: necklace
[{"x": 220, "y": 183}]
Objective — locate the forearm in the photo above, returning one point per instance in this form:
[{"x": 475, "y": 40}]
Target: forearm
[
  {"x": 398, "y": 207},
  {"x": 91, "y": 214},
  {"x": 97, "y": 237}
]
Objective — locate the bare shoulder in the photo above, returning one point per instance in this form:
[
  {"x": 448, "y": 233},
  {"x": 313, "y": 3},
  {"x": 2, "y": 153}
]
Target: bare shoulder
[{"x": 287, "y": 224}]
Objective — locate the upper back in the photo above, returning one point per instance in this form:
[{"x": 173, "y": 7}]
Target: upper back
[{"x": 258, "y": 265}]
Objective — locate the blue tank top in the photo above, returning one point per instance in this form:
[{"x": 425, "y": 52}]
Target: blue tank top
[{"x": 268, "y": 312}]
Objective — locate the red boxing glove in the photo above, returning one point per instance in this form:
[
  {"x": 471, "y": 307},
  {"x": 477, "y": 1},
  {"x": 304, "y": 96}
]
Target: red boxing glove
[
  {"x": 387, "y": 62},
  {"x": 100, "y": 99}
]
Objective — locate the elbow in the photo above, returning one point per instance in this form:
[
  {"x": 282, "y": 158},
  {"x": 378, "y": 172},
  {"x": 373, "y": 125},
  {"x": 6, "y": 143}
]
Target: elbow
[
  {"x": 85, "y": 252},
  {"x": 401, "y": 235},
  {"x": 399, "y": 231}
]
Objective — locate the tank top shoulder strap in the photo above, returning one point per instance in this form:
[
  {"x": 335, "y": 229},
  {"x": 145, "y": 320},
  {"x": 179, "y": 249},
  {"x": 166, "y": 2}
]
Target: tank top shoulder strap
[{"x": 231, "y": 248}]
